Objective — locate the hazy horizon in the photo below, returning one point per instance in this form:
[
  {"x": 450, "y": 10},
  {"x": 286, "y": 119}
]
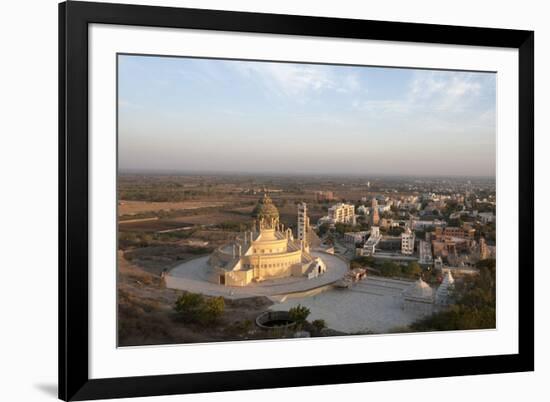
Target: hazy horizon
[
  {"x": 207, "y": 115},
  {"x": 367, "y": 176}
]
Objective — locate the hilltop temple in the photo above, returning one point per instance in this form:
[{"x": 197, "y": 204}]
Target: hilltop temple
[{"x": 268, "y": 251}]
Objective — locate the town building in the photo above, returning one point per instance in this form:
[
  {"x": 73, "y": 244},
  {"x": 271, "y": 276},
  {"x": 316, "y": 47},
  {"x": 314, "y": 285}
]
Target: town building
[
  {"x": 425, "y": 256},
  {"x": 353, "y": 238},
  {"x": 426, "y": 224},
  {"x": 449, "y": 232},
  {"x": 342, "y": 213},
  {"x": 486, "y": 217},
  {"x": 407, "y": 242}
]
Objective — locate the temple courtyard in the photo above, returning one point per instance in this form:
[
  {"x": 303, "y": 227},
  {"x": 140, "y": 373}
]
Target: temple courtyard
[
  {"x": 192, "y": 276},
  {"x": 372, "y": 305}
]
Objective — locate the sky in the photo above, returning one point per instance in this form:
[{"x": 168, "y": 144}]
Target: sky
[{"x": 210, "y": 115}]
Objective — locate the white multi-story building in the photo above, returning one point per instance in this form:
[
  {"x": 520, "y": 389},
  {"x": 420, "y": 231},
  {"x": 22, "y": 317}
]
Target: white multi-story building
[
  {"x": 407, "y": 242},
  {"x": 342, "y": 213}
]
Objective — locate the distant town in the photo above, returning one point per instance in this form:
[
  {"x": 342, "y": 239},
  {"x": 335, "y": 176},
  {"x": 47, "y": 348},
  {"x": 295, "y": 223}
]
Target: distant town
[{"x": 216, "y": 257}]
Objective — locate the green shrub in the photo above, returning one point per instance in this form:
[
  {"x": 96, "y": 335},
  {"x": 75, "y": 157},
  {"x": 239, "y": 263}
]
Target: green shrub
[
  {"x": 318, "y": 325},
  {"x": 212, "y": 310},
  {"x": 195, "y": 307},
  {"x": 298, "y": 314}
]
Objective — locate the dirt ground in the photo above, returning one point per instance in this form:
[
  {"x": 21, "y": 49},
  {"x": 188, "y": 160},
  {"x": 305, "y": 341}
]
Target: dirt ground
[{"x": 146, "y": 314}]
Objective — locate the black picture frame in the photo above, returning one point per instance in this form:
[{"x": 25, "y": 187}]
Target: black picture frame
[{"x": 74, "y": 18}]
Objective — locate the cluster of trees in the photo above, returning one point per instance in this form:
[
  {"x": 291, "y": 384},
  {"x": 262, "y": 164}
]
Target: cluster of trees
[
  {"x": 475, "y": 306},
  {"x": 451, "y": 207},
  {"x": 362, "y": 262},
  {"x": 395, "y": 231},
  {"x": 391, "y": 269},
  {"x": 388, "y": 268},
  {"x": 342, "y": 228},
  {"x": 194, "y": 307},
  {"x": 485, "y": 207}
]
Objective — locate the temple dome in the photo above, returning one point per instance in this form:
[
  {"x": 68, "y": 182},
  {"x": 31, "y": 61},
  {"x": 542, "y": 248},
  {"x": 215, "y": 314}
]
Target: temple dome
[
  {"x": 420, "y": 290},
  {"x": 265, "y": 209}
]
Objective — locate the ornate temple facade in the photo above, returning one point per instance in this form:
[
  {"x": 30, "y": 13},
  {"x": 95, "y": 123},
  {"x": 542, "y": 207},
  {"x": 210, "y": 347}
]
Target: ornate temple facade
[{"x": 268, "y": 251}]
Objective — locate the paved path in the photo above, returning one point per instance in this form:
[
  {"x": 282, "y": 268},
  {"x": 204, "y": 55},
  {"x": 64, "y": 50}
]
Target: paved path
[
  {"x": 191, "y": 276},
  {"x": 372, "y": 305}
]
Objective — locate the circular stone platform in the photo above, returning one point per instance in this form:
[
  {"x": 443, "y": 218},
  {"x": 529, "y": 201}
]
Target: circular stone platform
[{"x": 191, "y": 276}]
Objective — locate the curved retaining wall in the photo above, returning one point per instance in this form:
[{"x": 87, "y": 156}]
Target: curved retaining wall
[{"x": 268, "y": 316}]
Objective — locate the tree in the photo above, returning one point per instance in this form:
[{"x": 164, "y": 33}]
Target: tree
[
  {"x": 213, "y": 309},
  {"x": 323, "y": 229},
  {"x": 298, "y": 314},
  {"x": 390, "y": 268},
  {"x": 189, "y": 304},
  {"x": 360, "y": 262},
  {"x": 195, "y": 308},
  {"x": 413, "y": 269},
  {"x": 342, "y": 228}
]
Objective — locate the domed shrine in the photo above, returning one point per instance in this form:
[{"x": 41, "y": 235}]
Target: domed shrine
[
  {"x": 419, "y": 298},
  {"x": 268, "y": 251}
]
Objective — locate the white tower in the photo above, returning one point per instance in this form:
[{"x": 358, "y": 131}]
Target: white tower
[{"x": 302, "y": 222}]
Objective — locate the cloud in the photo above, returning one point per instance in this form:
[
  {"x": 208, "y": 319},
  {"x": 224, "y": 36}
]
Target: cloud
[
  {"x": 428, "y": 92},
  {"x": 298, "y": 81},
  {"x": 445, "y": 90}
]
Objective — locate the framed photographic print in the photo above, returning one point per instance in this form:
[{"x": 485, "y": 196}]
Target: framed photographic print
[{"x": 257, "y": 200}]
